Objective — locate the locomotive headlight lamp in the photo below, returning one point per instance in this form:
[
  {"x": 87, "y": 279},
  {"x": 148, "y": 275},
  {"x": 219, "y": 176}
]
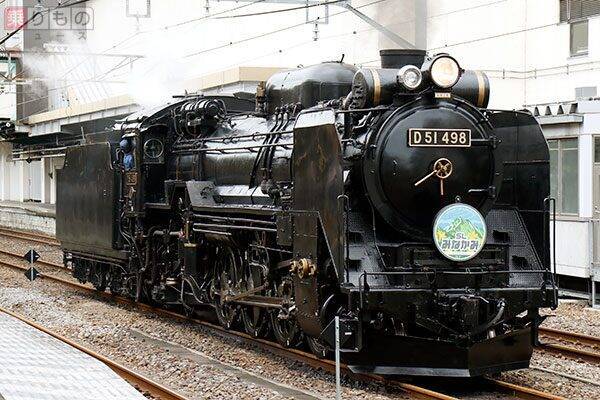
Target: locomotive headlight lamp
[
  {"x": 445, "y": 72},
  {"x": 410, "y": 77}
]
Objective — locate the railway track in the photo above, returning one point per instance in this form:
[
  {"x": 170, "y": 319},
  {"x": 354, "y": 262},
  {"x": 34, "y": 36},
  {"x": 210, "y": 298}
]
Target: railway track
[
  {"x": 144, "y": 384},
  {"x": 29, "y": 236},
  {"x": 295, "y": 354},
  {"x": 592, "y": 354},
  {"x": 569, "y": 344},
  {"x": 39, "y": 261},
  {"x": 274, "y": 348}
]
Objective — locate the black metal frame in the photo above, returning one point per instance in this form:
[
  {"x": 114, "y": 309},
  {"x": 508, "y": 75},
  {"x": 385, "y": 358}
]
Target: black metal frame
[{"x": 364, "y": 286}]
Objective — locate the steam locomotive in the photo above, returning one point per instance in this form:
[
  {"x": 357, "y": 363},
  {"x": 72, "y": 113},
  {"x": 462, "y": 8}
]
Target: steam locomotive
[{"x": 390, "y": 197}]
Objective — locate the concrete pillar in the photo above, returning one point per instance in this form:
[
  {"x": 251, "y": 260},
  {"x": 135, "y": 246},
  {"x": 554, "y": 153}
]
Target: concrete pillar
[
  {"x": 42, "y": 181},
  {"x": 49, "y": 189},
  {"x": 57, "y": 163},
  {"x": 3, "y": 180},
  {"x": 421, "y": 24},
  {"x": 406, "y": 18},
  {"x": 586, "y": 172},
  {"x": 46, "y": 179},
  {"x": 53, "y": 184},
  {"x": 23, "y": 181},
  {"x": 5, "y": 166}
]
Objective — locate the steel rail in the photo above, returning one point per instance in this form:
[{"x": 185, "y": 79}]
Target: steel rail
[
  {"x": 142, "y": 383},
  {"x": 28, "y": 233},
  {"x": 573, "y": 338},
  {"x": 571, "y": 352},
  {"x": 28, "y": 236},
  {"x": 522, "y": 392},
  {"x": 39, "y": 261},
  {"x": 298, "y": 355},
  {"x": 274, "y": 348}
]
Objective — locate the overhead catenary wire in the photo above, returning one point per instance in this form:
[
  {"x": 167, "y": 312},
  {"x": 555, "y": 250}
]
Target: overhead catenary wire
[
  {"x": 325, "y": 38},
  {"x": 306, "y": 6},
  {"x": 297, "y": 45},
  {"x": 482, "y": 39},
  {"x": 165, "y": 27},
  {"x": 495, "y": 36},
  {"x": 288, "y": 47},
  {"x": 121, "y": 42},
  {"x": 331, "y": 16},
  {"x": 257, "y": 36},
  {"x": 218, "y": 47},
  {"x": 265, "y": 34},
  {"x": 186, "y": 56},
  {"x": 335, "y": 36},
  {"x": 491, "y": 3},
  {"x": 148, "y": 31},
  {"x": 327, "y": 3}
]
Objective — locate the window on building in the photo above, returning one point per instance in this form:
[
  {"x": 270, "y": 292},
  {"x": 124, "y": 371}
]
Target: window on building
[
  {"x": 579, "y": 38},
  {"x": 564, "y": 175},
  {"x": 597, "y": 149},
  {"x": 577, "y": 9}
]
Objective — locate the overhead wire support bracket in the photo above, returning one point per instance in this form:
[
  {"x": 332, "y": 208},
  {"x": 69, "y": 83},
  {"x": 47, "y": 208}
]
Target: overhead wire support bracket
[
  {"x": 382, "y": 29},
  {"x": 400, "y": 41}
]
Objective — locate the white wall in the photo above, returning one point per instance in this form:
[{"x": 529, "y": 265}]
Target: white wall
[
  {"x": 34, "y": 184},
  {"x": 8, "y": 94},
  {"x": 220, "y": 44},
  {"x": 510, "y": 39},
  {"x": 517, "y": 37},
  {"x": 21, "y": 181},
  {"x": 573, "y": 248},
  {"x": 17, "y": 178}
]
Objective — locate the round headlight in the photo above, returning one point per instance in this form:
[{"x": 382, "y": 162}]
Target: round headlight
[
  {"x": 445, "y": 72},
  {"x": 410, "y": 77}
]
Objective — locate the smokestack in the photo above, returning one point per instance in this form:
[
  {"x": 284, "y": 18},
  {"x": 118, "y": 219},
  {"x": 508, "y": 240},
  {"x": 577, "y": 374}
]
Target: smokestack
[{"x": 398, "y": 58}]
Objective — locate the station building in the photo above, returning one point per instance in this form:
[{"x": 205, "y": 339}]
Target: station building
[
  {"x": 572, "y": 131},
  {"x": 28, "y": 161},
  {"x": 540, "y": 55}
]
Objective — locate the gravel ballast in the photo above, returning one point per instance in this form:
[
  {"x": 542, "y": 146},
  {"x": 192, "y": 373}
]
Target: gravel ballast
[
  {"x": 114, "y": 331},
  {"x": 141, "y": 341}
]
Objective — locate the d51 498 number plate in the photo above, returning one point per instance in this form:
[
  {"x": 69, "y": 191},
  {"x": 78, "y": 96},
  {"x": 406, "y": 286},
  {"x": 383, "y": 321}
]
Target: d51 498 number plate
[{"x": 439, "y": 137}]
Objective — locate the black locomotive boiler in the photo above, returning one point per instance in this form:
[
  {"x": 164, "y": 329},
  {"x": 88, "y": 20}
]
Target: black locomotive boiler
[{"x": 391, "y": 197}]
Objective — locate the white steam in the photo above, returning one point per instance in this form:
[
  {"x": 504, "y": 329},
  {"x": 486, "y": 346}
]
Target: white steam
[
  {"x": 154, "y": 79},
  {"x": 77, "y": 72}
]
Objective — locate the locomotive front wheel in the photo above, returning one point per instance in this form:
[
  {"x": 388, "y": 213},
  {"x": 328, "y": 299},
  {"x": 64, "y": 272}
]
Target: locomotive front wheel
[
  {"x": 286, "y": 330},
  {"x": 318, "y": 348},
  {"x": 225, "y": 281}
]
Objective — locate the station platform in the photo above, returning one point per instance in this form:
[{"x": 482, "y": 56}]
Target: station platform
[
  {"x": 37, "y": 366},
  {"x": 28, "y": 216}
]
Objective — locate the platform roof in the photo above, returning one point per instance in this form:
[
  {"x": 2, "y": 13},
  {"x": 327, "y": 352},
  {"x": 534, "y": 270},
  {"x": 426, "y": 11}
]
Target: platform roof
[{"x": 124, "y": 104}]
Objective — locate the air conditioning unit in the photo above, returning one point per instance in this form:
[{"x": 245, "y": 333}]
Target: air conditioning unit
[{"x": 585, "y": 92}]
